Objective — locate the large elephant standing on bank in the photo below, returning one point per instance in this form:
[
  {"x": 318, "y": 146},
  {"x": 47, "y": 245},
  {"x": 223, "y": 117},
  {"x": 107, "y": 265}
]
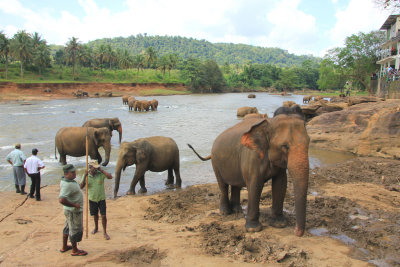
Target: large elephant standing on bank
[
  {"x": 110, "y": 123},
  {"x": 72, "y": 141},
  {"x": 154, "y": 154},
  {"x": 254, "y": 151}
]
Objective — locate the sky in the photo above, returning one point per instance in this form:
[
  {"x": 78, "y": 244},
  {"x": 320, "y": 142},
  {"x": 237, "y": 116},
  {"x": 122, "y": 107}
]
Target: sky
[{"x": 300, "y": 26}]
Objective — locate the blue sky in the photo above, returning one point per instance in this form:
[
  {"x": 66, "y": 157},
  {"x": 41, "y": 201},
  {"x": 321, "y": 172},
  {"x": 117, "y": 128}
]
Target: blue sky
[{"x": 299, "y": 26}]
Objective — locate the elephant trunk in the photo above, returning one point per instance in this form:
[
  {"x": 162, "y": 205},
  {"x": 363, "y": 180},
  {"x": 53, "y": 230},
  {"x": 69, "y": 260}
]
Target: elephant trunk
[
  {"x": 118, "y": 170},
  {"x": 107, "y": 149},
  {"x": 120, "y": 133},
  {"x": 298, "y": 167}
]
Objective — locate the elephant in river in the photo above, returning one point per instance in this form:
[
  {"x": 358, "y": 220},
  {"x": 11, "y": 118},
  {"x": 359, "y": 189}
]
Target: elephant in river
[
  {"x": 251, "y": 96},
  {"x": 243, "y": 111},
  {"x": 125, "y": 99},
  {"x": 295, "y": 109},
  {"x": 255, "y": 151},
  {"x": 307, "y": 99},
  {"x": 110, "y": 123},
  {"x": 156, "y": 154},
  {"x": 71, "y": 141},
  {"x": 142, "y": 105},
  {"x": 154, "y": 104},
  {"x": 131, "y": 103}
]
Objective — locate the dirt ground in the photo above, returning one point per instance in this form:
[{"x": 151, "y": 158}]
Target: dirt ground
[
  {"x": 45, "y": 91},
  {"x": 353, "y": 219}
]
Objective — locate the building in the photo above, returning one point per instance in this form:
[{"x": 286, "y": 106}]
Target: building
[{"x": 388, "y": 53}]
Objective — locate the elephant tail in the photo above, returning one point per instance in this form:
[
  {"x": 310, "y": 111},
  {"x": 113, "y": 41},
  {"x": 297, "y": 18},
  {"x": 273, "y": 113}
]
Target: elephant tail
[
  {"x": 200, "y": 157},
  {"x": 55, "y": 150}
]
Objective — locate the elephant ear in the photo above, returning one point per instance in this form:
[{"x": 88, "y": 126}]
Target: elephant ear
[
  {"x": 96, "y": 136},
  {"x": 141, "y": 151},
  {"x": 256, "y": 135}
]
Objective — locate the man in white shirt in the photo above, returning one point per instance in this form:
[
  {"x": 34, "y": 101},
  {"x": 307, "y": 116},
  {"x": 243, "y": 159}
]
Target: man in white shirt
[{"x": 32, "y": 167}]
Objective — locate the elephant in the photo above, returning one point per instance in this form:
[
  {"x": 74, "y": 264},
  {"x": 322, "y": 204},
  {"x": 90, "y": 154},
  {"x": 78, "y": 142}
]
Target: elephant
[
  {"x": 154, "y": 104},
  {"x": 255, "y": 151},
  {"x": 110, "y": 123},
  {"x": 251, "y": 96},
  {"x": 71, "y": 141},
  {"x": 243, "y": 111},
  {"x": 288, "y": 103},
  {"x": 255, "y": 115},
  {"x": 131, "y": 103},
  {"x": 142, "y": 105},
  {"x": 156, "y": 154},
  {"x": 307, "y": 99},
  {"x": 125, "y": 99},
  {"x": 295, "y": 109},
  {"x": 318, "y": 98}
]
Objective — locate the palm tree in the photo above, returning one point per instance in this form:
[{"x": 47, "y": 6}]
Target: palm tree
[
  {"x": 4, "y": 49},
  {"x": 125, "y": 61},
  {"x": 37, "y": 40},
  {"x": 151, "y": 56},
  {"x": 21, "y": 48},
  {"x": 72, "y": 50},
  {"x": 173, "y": 61},
  {"x": 163, "y": 63},
  {"x": 42, "y": 56},
  {"x": 101, "y": 55},
  {"x": 138, "y": 62}
]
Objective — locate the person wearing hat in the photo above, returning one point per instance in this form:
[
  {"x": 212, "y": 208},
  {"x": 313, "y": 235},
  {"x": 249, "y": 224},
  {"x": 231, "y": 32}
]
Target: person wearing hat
[
  {"x": 32, "y": 167},
  {"x": 17, "y": 159},
  {"x": 71, "y": 198},
  {"x": 97, "y": 195}
]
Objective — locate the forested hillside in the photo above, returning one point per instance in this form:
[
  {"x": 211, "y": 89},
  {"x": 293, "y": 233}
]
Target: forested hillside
[{"x": 220, "y": 52}]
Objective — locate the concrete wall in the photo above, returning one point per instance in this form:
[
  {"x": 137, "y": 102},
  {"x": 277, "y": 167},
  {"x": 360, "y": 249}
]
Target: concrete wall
[{"x": 389, "y": 89}]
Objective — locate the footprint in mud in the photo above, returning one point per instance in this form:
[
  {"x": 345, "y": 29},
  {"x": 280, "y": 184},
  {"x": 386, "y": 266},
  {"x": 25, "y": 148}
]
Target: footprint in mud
[{"x": 23, "y": 221}]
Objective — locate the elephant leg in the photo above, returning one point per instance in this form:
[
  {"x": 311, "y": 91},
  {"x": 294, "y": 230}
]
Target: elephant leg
[
  {"x": 139, "y": 173},
  {"x": 235, "y": 199},
  {"x": 63, "y": 159},
  {"x": 178, "y": 175},
  {"x": 254, "y": 189},
  {"x": 170, "y": 180},
  {"x": 279, "y": 186},
  {"x": 143, "y": 188}
]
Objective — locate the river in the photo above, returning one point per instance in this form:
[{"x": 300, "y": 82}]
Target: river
[{"x": 194, "y": 119}]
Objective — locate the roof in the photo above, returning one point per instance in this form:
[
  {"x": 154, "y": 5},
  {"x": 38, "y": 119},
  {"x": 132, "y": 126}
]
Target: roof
[{"x": 389, "y": 22}]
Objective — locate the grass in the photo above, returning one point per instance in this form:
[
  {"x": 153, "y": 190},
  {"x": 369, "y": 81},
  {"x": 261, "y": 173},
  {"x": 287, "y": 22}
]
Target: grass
[{"x": 332, "y": 93}]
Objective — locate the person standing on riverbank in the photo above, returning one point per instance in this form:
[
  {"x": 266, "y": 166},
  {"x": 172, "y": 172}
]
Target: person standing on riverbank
[
  {"x": 71, "y": 198},
  {"x": 32, "y": 167},
  {"x": 97, "y": 195},
  {"x": 17, "y": 159}
]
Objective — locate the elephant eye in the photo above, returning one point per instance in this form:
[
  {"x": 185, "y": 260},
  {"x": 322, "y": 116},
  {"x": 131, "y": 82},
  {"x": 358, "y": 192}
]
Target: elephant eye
[{"x": 285, "y": 147}]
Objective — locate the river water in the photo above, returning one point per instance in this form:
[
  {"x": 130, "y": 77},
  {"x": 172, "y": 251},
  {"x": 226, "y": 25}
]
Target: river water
[{"x": 194, "y": 119}]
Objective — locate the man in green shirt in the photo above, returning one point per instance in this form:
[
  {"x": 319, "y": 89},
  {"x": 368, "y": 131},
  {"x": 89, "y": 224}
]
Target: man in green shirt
[
  {"x": 71, "y": 198},
  {"x": 97, "y": 195},
  {"x": 17, "y": 159}
]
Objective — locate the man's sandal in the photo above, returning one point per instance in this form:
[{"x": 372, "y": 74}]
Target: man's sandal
[
  {"x": 65, "y": 250},
  {"x": 79, "y": 253}
]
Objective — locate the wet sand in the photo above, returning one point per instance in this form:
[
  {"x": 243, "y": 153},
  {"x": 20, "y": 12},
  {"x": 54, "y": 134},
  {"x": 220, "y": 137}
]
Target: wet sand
[{"x": 353, "y": 213}]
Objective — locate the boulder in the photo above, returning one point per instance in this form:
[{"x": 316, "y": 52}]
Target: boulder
[
  {"x": 288, "y": 103},
  {"x": 367, "y": 129},
  {"x": 354, "y": 100}
]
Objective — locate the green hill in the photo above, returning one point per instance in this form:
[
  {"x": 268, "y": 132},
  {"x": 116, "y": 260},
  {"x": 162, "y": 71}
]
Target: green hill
[{"x": 220, "y": 52}]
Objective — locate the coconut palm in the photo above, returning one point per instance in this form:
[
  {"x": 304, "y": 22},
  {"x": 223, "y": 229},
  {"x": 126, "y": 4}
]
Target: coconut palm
[
  {"x": 21, "y": 48},
  {"x": 72, "y": 48},
  {"x": 138, "y": 62},
  {"x": 42, "y": 56},
  {"x": 4, "y": 49},
  {"x": 151, "y": 56},
  {"x": 125, "y": 61},
  {"x": 163, "y": 63},
  {"x": 101, "y": 55}
]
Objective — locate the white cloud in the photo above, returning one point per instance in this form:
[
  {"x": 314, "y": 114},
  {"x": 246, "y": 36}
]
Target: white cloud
[
  {"x": 358, "y": 16},
  {"x": 292, "y": 29}
]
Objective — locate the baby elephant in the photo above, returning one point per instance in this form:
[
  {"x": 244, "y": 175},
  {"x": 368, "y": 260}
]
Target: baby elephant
[{"x": 156, "y": 154}]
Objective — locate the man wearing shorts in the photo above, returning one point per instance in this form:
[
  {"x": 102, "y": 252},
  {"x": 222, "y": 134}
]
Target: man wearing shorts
[
  {"x": 97, "y": 195},
  {"x": 17, "y": 159},
  {"x": 71, "y": 198}
]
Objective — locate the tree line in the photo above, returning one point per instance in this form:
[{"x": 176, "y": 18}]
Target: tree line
[{"x": 353, "y": 62}]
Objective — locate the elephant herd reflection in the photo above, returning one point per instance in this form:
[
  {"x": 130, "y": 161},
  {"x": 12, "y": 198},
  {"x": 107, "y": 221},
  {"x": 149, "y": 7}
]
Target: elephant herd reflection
[{"x": 247, "y": 155}]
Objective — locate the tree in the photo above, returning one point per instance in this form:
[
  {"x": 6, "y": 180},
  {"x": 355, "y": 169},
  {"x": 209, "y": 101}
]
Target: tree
[
  {"x": 392, "y": 5},
  {"x": 21, "y": 48},
  {"x": 358, "y": 58},
  {"x": 288, "y": 80},
  {"x": 163, "y": 63},
  {"x": 42, "y": 56},
  {"x": 151, "y": 56},
  {"x": 125, "y": 61},
  {"x": 329, "y": 77},
  {"x": 72, "y": 48},
  {"x": 214, "y": 80},
  {"x": 4, "y": 50},
  {"x": 138, "y": 62},
  {"x": 172, "y": 62}
]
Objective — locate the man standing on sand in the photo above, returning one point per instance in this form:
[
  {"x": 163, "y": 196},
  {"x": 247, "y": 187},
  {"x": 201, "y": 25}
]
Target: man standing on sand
[
  {"x": 32, "y": 167},
  {"x": 97, "y": 195},
  {"x": 17, "y": 159},
  {"x": 71, "y": 198}
]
